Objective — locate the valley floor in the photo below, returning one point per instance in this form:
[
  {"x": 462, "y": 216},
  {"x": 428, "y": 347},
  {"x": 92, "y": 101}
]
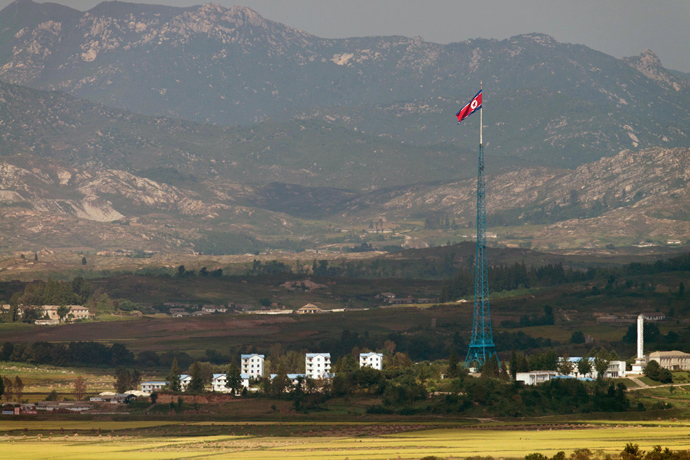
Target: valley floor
[{"x": 149, "y": 440}]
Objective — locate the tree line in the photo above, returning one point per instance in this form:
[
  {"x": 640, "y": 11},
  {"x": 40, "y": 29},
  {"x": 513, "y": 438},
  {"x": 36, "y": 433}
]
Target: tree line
[
  {"x": 630, "y": 452},
  {"x": 86, "y": 354},
  {"x": 518, "y": 276}
]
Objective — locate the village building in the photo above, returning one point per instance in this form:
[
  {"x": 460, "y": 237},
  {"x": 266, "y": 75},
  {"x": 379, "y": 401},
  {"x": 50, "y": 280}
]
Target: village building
[
  {"x": 185, "y": 380},
  {"x": 112, "y": 398},
  {"x": 397, "y": 301},
  {"x": 270, "y": 312},
  {"x": 318, "y": 365},
  {"x": 373, "y": 360},
  {"x": 252, "y": 365},
  {"x": 308, "y": 309},
  {"x": 293, "y": 378},
  {"x": 385, "y": 296},
  {"x": 615, "y": 369},
  {"x": 535, "y": 377},
  {"x": 51, "y": 406},
  {"x": 47, "y": 322},
  {"x": 219, "y": 381},
  {"x": 672, "y": 360},
  {"x": 654, "y": 316},
  {"x": 74, "y": 312},
  {"x": 151, "y": 386},
  {"x": 214, "y": 309}
]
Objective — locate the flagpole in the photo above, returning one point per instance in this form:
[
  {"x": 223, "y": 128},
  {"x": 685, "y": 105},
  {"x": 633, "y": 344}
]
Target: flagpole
[{"x": 481, "y": 110}]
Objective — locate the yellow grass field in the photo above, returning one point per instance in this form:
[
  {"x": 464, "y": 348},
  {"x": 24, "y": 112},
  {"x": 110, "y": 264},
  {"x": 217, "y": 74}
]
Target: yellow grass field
[{"x": 441, "y": 442}]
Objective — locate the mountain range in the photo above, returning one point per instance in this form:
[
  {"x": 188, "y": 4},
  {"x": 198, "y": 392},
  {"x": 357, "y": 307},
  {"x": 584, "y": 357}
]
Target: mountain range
[{"x": 147, "y": 126}]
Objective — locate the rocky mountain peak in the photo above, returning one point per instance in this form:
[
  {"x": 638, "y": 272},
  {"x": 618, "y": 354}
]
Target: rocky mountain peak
[
  {"x": 541, "y": 39},
  {"x": 649, "y": 65}
]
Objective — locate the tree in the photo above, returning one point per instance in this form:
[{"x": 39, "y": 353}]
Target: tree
[
  {"x": 36, "y": 256},
  {"x": 2, "y": 386},
  {"x": 584, "y": 366},
  {"x": 601, "y": 363},
  {"x": 346, "y": 365},
  {"x": 52, "y": 396},
  {"x": 565, "y": 366},
  {"x": 665, "y": 376},
  {"x": 83, "y": 260},
  {"x": 174, "y": 377},
  {"x": 279, "y": 384},
  {"x": 18, "y": 388},
  {"x": 490, "y": 368},
  {"x": 126, "y": 379},
  {"x": 233, "y": 378},
  {"x": 632, "y": 452},
  {"x": 196, "y": 384},
  {"x": 401, "y": 361},
  {"x": 62, "y": 311},
  {"x": 577, "y": 337},
  {"x": 79, "y": 388},
  {"x": 453, "y": 364},
  {"x": 8, "y": 386},
  {"x": 513, "y": 364},
  {"x": 154, "y": 397},
  {"x": 652, "y": 370}
]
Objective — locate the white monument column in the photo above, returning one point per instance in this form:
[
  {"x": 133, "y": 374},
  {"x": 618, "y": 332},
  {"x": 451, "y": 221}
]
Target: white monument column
[
  {"x": 640, "y": 363},
  {"x": 640, "y": 337}
]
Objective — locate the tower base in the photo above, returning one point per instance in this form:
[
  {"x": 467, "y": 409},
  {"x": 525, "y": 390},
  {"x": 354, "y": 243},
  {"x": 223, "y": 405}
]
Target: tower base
[{"x": 479, "y": 354}]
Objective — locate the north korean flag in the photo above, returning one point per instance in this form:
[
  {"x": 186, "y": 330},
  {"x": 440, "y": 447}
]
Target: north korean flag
[{"x": 474, "y": 105}]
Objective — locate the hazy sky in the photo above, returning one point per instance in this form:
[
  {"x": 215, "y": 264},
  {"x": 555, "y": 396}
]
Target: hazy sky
[{"x": 617, "y": 27}]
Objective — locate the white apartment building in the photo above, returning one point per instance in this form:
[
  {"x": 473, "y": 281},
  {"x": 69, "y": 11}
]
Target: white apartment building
[
  {"x": 252, "y": 365},
  {"x": 373, "y": 360},
  {"x": 318, "y": 365}
]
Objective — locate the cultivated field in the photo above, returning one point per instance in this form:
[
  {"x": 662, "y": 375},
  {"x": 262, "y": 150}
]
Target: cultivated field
[{"x": 148, "y": 440}]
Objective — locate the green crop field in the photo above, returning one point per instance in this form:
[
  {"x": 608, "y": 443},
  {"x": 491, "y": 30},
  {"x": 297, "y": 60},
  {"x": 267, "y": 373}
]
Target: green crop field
[{"x": 152, "y": 440}]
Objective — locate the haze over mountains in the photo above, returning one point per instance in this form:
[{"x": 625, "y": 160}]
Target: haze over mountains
[{"x": 250, "y": 126}]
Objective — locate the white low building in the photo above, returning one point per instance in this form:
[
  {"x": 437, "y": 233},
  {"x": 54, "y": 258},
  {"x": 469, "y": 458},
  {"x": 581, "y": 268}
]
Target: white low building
[
  {"x": 535, "y": 377},
  {"x": 185, "y": 380},
  {"x": 671, "y": 360},
  {"x": 373, "y": 360},
  {"x": 318, "y": 365},
  {"x": 153, "y": 385},
  {"x": 253, "y": 365},
  {"x": 157, "y": 385},
  {"x": 294, "y": 378},
  {"x": 615, "y": 369},
  {"x": 73, "y": 312},
  {"x": 219, "y": 381}
]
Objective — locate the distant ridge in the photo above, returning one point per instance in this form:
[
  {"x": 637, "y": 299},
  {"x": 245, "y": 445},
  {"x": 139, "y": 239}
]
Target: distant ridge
[{"x": 550, "y": 103}]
